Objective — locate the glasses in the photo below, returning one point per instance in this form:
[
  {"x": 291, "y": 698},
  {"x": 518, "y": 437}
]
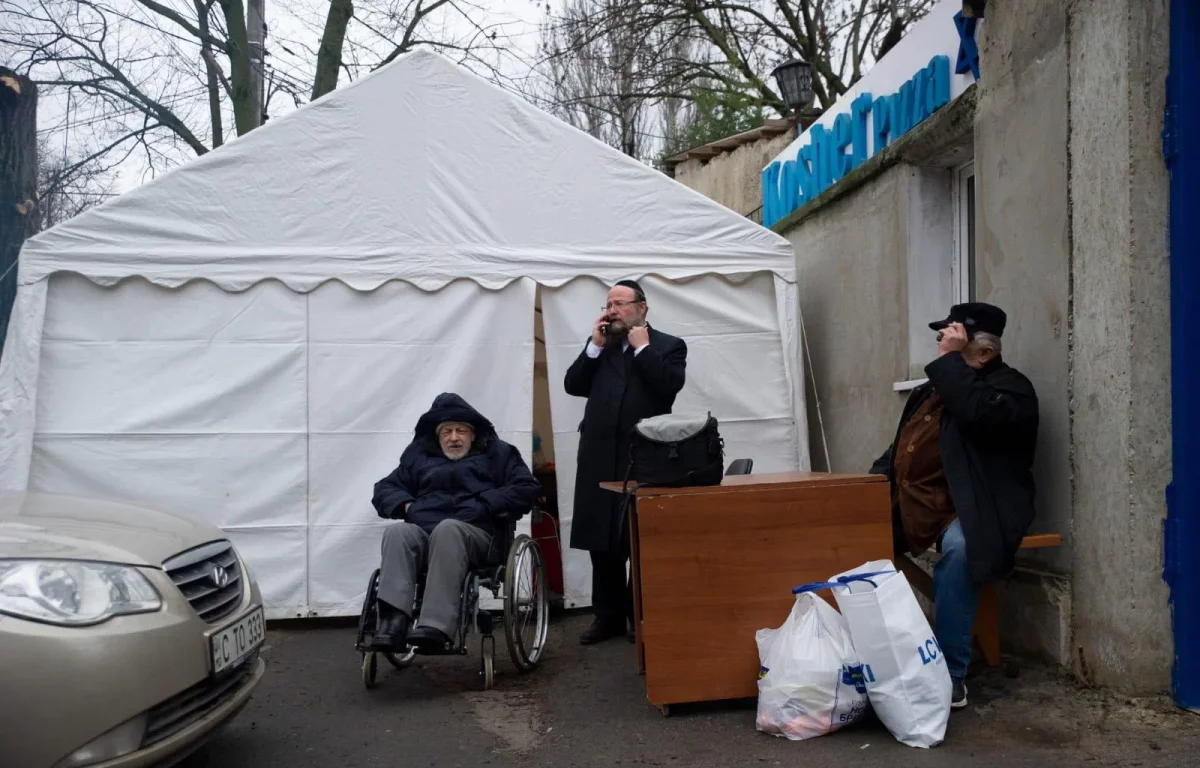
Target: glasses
[{"x": 610, "y": 306}]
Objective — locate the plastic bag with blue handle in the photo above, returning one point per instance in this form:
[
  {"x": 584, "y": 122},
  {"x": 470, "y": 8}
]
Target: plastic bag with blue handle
[
  {"x": 810, "y": 682},
  {"x": 907, "y": 679}
]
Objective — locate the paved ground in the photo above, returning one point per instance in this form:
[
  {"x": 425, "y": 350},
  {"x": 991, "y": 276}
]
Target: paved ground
[{"x": 587, "y": 707}]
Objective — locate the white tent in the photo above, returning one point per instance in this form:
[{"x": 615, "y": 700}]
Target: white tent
[{"x": 250, "y": 338}]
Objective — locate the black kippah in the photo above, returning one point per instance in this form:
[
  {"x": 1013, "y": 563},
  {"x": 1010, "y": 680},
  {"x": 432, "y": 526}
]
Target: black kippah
[{"x": 636, "y": 288}]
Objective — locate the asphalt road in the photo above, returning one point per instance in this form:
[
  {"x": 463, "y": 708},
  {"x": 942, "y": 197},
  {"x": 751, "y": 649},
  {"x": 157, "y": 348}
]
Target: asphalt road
[{"x": 587, "y": 707}]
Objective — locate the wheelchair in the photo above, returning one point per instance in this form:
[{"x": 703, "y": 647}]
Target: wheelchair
[{"x": 515, "y": 573}]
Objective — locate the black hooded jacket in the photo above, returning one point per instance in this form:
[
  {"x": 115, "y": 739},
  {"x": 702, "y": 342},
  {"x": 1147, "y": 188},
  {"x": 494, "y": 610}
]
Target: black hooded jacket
[{"x": 490, "y": 483}]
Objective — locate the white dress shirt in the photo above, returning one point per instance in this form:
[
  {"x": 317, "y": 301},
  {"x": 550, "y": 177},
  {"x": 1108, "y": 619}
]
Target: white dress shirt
[{"x": 593, "y": 351}]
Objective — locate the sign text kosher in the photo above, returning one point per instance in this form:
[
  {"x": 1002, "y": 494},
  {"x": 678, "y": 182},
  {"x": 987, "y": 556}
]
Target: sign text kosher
[{"x": 834, "y": 151}]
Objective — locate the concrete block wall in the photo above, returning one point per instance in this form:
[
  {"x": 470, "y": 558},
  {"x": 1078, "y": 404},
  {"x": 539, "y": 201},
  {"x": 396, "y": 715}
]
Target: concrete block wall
[
  {"x": 734, "y": 178},
  {"x": 1071, "y": 239},
  {"x": 1023, "y": 264},
  {"x": 852, "y": 269},
  {"x": 1120, "y": 358}
]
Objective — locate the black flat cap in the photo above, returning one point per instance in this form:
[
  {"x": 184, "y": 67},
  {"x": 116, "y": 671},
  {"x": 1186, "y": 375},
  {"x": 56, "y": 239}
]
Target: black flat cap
[{"x": 976, "y": 317}]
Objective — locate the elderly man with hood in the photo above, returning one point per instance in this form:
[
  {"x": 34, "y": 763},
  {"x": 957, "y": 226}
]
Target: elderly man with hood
[
  {"x": 455, "y": 488},
  {"x": 961, "y": 472}
]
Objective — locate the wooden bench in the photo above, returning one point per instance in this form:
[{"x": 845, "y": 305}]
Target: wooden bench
[{"x": 987, "y": 615}]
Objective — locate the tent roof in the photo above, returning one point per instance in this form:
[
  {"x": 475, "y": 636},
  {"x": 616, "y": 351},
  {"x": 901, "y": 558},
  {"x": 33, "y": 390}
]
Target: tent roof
[{"x": 422, "y": 172}]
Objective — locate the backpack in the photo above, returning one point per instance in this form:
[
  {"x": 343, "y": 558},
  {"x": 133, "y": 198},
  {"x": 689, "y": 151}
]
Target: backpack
[{"x": 676, "y": 451}]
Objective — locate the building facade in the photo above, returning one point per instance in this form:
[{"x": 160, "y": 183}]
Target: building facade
[
  {"x": 728, "y": 170},
  {"x": 1017, "y": 160}
]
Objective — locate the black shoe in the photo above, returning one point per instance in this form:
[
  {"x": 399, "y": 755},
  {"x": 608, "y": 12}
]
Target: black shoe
[
  {"x": 428, "y": 637},
  {"x": 958, "y": 693},
  {"x": 392, "y": 629},
  {"x": 599, "y": 632}
]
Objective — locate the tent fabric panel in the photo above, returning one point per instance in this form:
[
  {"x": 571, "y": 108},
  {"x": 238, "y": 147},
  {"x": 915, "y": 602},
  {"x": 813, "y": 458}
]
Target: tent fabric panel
[
  {"x": 171, "y": 387},
  {"x": 275, "y": 557},
  {"x": 230, "y": 481},
  {"x": 791, "y": 327},
  {"x": 19, "y": 366},
  {"x": 138, "y": 311},
  {"x": 379, "y": 359}
]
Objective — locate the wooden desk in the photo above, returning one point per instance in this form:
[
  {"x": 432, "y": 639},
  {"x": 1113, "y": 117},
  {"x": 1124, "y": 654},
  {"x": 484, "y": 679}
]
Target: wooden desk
[{"x": 713, "y": 565}]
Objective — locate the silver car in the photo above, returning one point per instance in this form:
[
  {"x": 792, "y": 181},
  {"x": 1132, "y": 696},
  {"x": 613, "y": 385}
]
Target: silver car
[{"x": 127, "y": 636}]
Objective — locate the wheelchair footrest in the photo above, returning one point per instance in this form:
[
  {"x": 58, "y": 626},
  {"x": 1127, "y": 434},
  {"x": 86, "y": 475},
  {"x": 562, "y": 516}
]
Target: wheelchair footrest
[{"x": 430, "y": 646}]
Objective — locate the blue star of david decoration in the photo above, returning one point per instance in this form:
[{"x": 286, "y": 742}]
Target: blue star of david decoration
[{"x": 968, "y": 50}]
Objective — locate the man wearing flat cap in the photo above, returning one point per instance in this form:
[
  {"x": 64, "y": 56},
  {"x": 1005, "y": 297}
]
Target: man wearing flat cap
[
  {"x": 628, "y": 371},
  {"x": 961, "y": 472}
]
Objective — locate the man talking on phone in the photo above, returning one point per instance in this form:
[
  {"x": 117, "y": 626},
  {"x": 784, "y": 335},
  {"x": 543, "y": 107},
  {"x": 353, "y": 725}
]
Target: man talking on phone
[
  {"x": 628, "y": 371},
  {"x": 960, "y": 471}
]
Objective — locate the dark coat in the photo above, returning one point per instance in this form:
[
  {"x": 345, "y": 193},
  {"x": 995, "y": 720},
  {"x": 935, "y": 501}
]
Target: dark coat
[
  {"x": 490, "y": 483},
  {"x": 621, "y": 389},
  {"x": 987, "y": 438}
]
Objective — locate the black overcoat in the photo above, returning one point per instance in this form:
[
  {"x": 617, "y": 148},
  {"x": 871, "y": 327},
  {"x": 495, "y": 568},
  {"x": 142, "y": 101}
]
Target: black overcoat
[
  {"x": 621, "y": 389},
  {"x": 987, "y": 438}
]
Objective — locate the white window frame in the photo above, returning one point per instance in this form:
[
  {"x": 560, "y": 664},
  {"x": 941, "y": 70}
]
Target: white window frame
[{"x": 965, "y": 197}]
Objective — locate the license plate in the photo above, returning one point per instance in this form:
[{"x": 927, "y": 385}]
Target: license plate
[{"x": 233, "y": 643}]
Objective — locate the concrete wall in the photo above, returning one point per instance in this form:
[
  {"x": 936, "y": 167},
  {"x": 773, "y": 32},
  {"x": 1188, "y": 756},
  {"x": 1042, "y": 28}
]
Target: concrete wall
[
  {"x": 1071, "y": 239},
  {"x": 1023, "y": 264},
  {"x": 1120, "y": 366},
  {"x": 734, "y": 178},
  {"x": 1072, "y": 221},
  {"x": 852, "y": 272}
]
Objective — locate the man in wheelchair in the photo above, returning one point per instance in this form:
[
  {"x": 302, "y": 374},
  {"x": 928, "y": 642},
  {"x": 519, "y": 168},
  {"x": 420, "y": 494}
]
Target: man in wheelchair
[{"x": 456, "y": 485}]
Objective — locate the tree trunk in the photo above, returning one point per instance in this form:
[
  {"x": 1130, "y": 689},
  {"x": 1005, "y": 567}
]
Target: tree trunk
[
  {"x": 214, "y": 82},
  {"x": 18, "y": 180},
  {"x": 256, "y": 33},
  {"x": 246, "y": 114},
  {"x": 329, "y": 57}
]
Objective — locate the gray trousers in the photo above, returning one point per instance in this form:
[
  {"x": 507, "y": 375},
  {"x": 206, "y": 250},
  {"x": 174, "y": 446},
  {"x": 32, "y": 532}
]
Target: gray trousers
[{"x": 452, "y": 549}]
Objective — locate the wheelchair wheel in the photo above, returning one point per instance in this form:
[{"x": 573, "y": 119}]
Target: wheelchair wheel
[
  {"x": 401, "y": 660},
  {"x": 370, "y": 666},
  {"x": 366, "y": 617},
  {"x": 526, "y": 603},
  {"x": 487, "y": 661}
]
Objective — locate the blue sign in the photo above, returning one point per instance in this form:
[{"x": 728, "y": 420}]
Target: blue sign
[
  {"x": 968, "y": 49},
  {"x": 834, "y": 151}
]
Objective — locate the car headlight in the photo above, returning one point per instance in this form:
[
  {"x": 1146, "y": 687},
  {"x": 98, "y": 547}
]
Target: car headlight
[{"x": 73, "y": 593}]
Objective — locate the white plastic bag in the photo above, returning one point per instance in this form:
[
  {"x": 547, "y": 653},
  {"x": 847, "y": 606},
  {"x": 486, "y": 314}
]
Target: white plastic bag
[
  {"x": 810, "y": 682},
  {"x": 907, "y": 679}
]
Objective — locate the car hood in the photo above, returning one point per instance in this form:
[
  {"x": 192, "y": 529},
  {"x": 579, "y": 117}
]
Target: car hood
[{"x": 75, "y": 528}]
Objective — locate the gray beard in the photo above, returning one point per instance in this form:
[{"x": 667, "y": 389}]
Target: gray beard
[{"x": 616, "y": 337}]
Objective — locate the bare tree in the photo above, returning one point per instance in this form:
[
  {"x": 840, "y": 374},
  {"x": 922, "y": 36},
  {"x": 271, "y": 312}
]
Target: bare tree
[
  {"x": 68, "y": 186},
  {"x": 138, "y": 72},
  {"x": 360, "y": 37},
  {"x": 839, "y": 38},
  {"x": 607, "y": 74},
  {"x": 165, "y": 80},
  {"x": 731, "y": 45}
]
